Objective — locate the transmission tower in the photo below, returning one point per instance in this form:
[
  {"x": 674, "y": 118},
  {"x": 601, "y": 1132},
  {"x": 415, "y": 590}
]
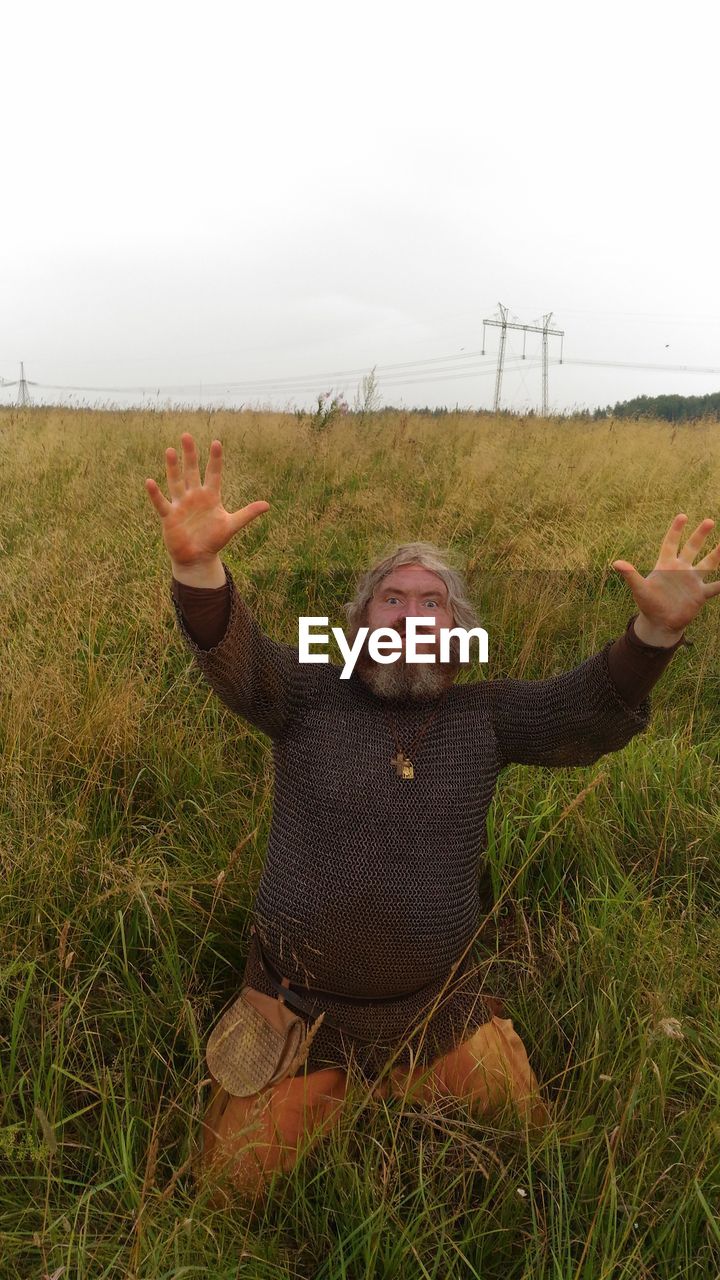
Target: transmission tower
[
  {"x": 503, "y": 324},
  {"x": 23, "y": 398},
  {"x": 501, "y": 352}
]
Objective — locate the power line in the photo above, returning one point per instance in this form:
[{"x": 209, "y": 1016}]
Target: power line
[
  {"x": 228, "y": 388},
  {"x": 295, "y": 379},
  {"x": 666, "y": 368},
  {"x": 401, "y": 373}
]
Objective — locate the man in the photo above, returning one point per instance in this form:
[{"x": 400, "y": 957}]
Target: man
[{"x": 368, "y": 902}]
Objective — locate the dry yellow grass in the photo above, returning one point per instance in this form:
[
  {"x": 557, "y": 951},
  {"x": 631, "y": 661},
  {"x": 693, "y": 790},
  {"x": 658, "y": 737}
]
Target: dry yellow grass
[{"x": 135, "y": 809}]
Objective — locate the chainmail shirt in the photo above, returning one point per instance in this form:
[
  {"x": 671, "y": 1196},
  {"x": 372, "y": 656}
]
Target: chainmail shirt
[{"x": 370, "y": 887}]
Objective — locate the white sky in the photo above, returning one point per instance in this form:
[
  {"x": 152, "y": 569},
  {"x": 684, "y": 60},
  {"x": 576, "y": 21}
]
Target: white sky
[{"x": 236, "y": 191}]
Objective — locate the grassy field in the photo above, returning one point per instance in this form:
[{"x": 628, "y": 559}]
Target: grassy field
[{"x": 134, "y": 811}]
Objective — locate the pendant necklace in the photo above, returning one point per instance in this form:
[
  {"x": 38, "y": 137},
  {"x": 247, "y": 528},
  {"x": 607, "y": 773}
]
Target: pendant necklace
[{"x": 400, "y": 762}]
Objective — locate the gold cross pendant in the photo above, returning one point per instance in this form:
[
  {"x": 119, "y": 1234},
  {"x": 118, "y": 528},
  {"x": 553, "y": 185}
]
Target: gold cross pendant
[{"x": 403, "y": 766}]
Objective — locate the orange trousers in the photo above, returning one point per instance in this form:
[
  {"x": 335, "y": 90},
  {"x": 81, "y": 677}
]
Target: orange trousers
[{"x": 248, "y": 1139}]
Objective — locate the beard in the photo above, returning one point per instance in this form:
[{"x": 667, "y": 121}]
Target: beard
[{"x": 400, "y": 681}]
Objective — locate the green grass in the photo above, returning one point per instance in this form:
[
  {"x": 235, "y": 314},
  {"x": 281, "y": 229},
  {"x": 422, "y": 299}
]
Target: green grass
[{"x": 133, "y": 818}]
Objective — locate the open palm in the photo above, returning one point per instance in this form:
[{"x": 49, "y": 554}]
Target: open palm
[
  {"x": 675, "y": 591},
  {"x": 195, "y": 524}
]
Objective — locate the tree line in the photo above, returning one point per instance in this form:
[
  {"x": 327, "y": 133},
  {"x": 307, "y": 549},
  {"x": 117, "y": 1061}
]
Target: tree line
[{"x": 672, "y": 408}]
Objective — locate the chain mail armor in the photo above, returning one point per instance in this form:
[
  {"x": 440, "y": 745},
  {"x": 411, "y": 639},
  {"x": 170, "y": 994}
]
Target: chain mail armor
[{"x": 370, "y": 888}]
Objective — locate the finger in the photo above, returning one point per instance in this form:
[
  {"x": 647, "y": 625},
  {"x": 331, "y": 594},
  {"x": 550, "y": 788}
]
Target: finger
[
  {"x": 711, "y": 561},
  {"x": 243, "y": 517},
  {"x": 712, "y": 589},
  {"x": 213, "y": 470},
  {"x": 695, "y": 541},
  {"x": 176, "y": 484},
  {"x": 671, "y": 541},
  {"x": 190, "y": 459},
  {"x": 157, "y": 497},
  {"x": 634, "y": 579}
]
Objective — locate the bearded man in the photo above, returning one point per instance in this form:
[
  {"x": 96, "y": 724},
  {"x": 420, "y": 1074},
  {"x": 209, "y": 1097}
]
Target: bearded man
[{"x": 368, "y": 904}]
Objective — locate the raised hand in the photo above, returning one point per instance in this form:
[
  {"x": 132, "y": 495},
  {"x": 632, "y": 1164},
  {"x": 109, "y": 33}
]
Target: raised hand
[
  {"x": 195, "y": 525},
  {"x": 671, "y": 596}
]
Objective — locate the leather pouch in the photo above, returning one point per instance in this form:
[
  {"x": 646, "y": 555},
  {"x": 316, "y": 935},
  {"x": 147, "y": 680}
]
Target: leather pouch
[{"x": 257, "y": 1041}]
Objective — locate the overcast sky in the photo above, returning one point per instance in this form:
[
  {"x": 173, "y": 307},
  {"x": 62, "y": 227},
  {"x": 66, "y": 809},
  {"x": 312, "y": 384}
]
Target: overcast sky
[{"x": 199, "y": 195}]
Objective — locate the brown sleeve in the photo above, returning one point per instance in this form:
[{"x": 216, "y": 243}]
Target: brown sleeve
[
  {"x": 258, "y": 678},
  {"x": 635, "y": 666},
  {"x": 206, "y": 611},
  {"x": 578, "y": 716}
]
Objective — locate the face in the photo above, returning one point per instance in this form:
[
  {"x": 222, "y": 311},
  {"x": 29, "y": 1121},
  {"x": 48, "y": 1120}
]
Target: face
[{"x": 408, "y": 592}]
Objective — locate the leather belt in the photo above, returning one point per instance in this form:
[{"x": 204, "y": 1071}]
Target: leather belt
[{"x": 289, "y": 993}]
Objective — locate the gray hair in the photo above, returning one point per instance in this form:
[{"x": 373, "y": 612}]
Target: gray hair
[{"x": 429, "y": 557}]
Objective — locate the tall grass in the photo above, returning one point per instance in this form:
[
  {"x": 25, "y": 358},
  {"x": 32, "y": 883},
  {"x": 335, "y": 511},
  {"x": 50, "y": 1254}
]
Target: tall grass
[{"x": 133, "y": 817}]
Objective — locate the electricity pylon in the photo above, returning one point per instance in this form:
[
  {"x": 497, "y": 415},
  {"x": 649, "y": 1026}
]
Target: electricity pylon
[
  {"x": 503, "y": 324},
  {"x": 23, "y": 398}
]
